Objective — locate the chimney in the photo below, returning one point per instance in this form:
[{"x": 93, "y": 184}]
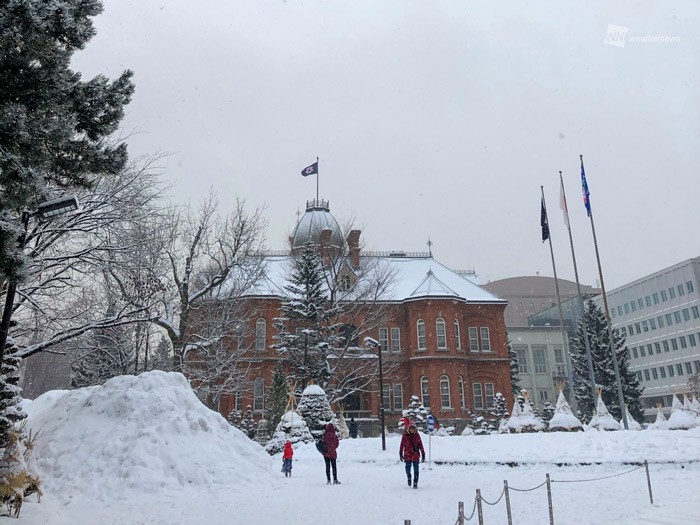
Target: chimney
[
  {"x": 354, "y": 247},
  {"x": 325, "y": 241}
]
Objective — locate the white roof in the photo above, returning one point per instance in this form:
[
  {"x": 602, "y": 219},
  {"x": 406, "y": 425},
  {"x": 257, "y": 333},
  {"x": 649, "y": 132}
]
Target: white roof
[{"x": 415, "y": 278}]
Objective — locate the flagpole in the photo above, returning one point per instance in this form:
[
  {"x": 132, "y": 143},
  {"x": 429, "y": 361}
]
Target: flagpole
[
  {"x": 613, "y": 353},
  {"x": 564, "y": 337},
  {"x": 317, "y": 170},
  {"x": 589, "y": 359}
]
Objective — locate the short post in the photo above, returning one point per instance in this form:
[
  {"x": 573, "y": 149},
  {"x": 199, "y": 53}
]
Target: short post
[
  {"x": 460, "y": 513},
  {"x": 505, "y": 491},
  {"x": 406, "y": 522},
  {"x": 646, "y": 467},
  {"x": 549, "y": 501},
  {"x": 478, "y": 507}
]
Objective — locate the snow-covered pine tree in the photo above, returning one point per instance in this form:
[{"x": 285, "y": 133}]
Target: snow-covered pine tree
[
  {"x": 547, "y": 412},
  {"x": 514, "y": 369},
  {"x": 247, "y": 423},
  {"x": 262, "y": 434},
  {"x": 602, "y": 419},
  {"x": 291, "y": 427},
  {"x": 316, "y": 410},
  {"x": 563, "y": 419},
  {"x": 500, "y": 412},
  {"x": 307, "y": 330},
  {"x": 277, "y": 397},
  {"x": 56, "y": 128},
  {"x": 416, "y": 412},
  {"x": 603, "y": 367}
]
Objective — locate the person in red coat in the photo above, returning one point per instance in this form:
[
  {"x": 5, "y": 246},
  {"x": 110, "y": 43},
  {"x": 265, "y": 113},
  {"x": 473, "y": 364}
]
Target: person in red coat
[
  {"x": 330, "y": 439},
  {"x": 411, "y": 451},
  {"x": 287, "y": 456}
]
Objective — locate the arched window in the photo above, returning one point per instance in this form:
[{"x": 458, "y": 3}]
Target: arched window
[
  {"x": 425, "y": 392},
  {"x": 458, "y": 338},
  {"x": 258, "y": 394},
  {"x": 260, "y": 334},
  {"x": 445, "y": 401},
  {"x": 440, "y": 333},
  {"x": 420, "y": 329},
  {"x": 462, "y": 401}
]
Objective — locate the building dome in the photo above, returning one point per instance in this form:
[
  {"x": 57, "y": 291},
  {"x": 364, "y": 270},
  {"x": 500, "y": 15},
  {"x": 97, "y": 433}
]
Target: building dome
[{"x": 316, "y": 219}]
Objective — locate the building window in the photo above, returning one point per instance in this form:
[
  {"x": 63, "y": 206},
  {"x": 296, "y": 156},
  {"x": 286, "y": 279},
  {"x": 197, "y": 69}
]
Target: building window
[
  {"x": 445, "y": 400},
  {"x": 669, "y": 319},
  {"x": 652, "y": 323},
  {"x": 478, "y": 396},
  {"x": 640, "y": 303},
  {"x": 646, "y": 375},
  {"x": 395, "y": 340},
  {"x": 664, "y": 298},
  {"x": 259, "y": 394},
  {"x": 660, "y": 320},
  {"x": 657, "y": 348},
  {"x": 485, "y": 339},
  {"x": 671, "y": 371},
  {"x": 686, "y": 314},
  {"x": 441, "y": 333},
  {"x": 630, "y": 329},
  {"x": 645, "y": 326},
  {"x": 539, "y": 359},
  {"x": 639, "y": 376},
  {"x": 421, "y": 334},
  {"x": 260, "y": 334},
  {"x": 384, "y": 338},
  {"x": 655, "y": 298},
  {"x": 674, "y": 344},
  {"x": 237, "y": 401},
  {"x": 637, "y": 328},
  {"x": 642, "y": 352},
  {"x": 688, "y": 368},
  {"x": 633, "y": 306},
  {"x": 681, "y": 290},
  {"x": 398, "y": 397},
  {"x": 462, "y": 400},
  {"x": 654, "y": 374},
  {"x": 697, "y": 366},
  {"x": 634, "y": 353},
  {"x": 473, "y": 339},
  {"x": 696, "y": 312},
  {"x": 689, "y": 286},
  {"x": 488, "y": 388},
  {"x": 691, "y": 339},
  {"x": 677, "y": 317},
  {"x": 647, "y": 301},
  {"x": 521, "y": 354},
  {"x": 662, "y": 372},
  {"x": 671, "y": 293},
  {"x": 425, "y": 391},
  {"x": 458, "y": 339},
  {"x": 679, "y": 369},
  {"x": 627, "y": 308},
  {"x": 681, "y": 339},
  {"x": 666, "y": 348},
  {"x": 386, "y": 396},
  {"x": 544, "y": 395}
]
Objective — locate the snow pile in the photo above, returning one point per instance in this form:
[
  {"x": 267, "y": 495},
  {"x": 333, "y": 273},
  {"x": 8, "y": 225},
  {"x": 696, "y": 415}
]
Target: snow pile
[
  {"x": 682, "y": 418},
  {"x": 602, "y": 420},
  {"x": 564, "y": 419},
  {"x": 145, "y": 434},
  {"x": 660, "y": 423}
]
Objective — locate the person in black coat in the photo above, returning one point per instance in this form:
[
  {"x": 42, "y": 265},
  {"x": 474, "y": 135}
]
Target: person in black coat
[{"x": 353, "y": 428}]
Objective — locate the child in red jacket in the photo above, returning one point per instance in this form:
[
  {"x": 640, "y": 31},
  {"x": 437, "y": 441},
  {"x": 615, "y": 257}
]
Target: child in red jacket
[
  {"x": 411, "y": 451},
  {"x": 287, "y": 456}
]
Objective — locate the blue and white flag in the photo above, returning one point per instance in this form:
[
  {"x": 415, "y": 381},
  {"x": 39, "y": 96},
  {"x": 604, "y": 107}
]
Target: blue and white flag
[
  {"x": 310, "y": 170},
  {"x": 584, "y": 188}
]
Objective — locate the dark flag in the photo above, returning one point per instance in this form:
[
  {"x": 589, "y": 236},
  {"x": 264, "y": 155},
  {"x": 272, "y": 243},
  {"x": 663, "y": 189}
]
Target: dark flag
[
  {"x": 544, "y": 222},
  {"x": 584, "y": 188},
  {"x": 310, "y": 170}
]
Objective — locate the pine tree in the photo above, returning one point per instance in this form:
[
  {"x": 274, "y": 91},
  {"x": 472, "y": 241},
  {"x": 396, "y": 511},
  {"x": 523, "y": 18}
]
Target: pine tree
[
  {"x": 514, "y": 369},
  {"x": 54, "y": 128},
  {"x": 291, "y": 427},
  {"x": 246, "y": 423},
  {"x": 500, "y": 412},
  {"x": 603, "y": 367},
  {"x": 277, "y": 397},
  {"x": 316, "y": 410},
  {"x": 110, "y": 354},
  {"x": 307, "y": 332},
  {"x": 547, "y": 412},
  {"x": 416, "y": 412}
]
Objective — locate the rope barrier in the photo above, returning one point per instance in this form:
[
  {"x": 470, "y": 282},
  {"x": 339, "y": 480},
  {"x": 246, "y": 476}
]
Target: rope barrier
[
  {"x": 472, "y": 514},
  {"x": 595, "y": 479},
  {"x": 528, "y": 490},
  {"x": 496, "y": 502}
]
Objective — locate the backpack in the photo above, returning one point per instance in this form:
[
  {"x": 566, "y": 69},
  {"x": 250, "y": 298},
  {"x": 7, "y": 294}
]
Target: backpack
[{"x": 321, "y": 445}]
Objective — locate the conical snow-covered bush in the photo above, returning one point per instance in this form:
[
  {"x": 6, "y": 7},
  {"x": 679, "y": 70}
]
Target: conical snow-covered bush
[
  {"x": 524, "y": 419},
  {"x": 632, "y": 423},
  {"x": 660, "y": 423},
  {"x": 681, "y": 418},
  {"x": 564, "y": 419},
  {"x": 602, "y": 420},
  {"x": 291, "y": 427}
]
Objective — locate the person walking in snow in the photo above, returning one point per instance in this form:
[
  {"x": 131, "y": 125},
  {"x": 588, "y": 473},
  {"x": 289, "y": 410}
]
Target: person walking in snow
[
  {"x": 353, "y": 428},
  {"x": 330, "y": 440},
  {"x": 287, "y": 456},
  {"x": 411, "y": 451}
]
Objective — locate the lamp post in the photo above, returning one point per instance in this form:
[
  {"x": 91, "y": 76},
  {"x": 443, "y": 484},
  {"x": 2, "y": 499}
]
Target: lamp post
[
  {"x": 45, "y": 210},
  {"x": 375, "y": 344}
]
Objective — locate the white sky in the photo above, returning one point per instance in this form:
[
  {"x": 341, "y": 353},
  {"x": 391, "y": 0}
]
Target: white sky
[{"x": 437, "y": 119}]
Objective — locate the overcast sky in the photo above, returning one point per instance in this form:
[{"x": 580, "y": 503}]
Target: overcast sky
[{"x": 431, "y": 119}]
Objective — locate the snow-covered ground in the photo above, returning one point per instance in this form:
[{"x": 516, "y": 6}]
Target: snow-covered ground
[{"x": 144, "y": 450}]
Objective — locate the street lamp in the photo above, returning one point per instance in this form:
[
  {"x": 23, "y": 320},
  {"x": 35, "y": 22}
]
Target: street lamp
[
  {"x": 375, "y": 344},
  {"x": 45, "y": 210}
]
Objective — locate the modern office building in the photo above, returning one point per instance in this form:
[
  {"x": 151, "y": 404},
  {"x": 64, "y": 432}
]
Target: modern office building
[{"x": 660, "y": 317}]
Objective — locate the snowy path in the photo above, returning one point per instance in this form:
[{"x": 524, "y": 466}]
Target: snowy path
[{"x": 377, "y": 494}]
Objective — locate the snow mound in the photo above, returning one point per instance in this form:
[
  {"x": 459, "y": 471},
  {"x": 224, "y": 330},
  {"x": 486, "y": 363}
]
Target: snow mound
[{"x": 143, "y": 434}]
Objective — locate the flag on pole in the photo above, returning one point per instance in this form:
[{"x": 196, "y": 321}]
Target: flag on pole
[
  {"x": 584, "y": 188},
  {"x": 310, "y": 170},
  {"x": 562, "y": 204},
  {"x": 544, "y": 222}
]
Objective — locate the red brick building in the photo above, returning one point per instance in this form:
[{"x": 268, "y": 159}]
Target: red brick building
[{"x": 444, "y": 334}]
